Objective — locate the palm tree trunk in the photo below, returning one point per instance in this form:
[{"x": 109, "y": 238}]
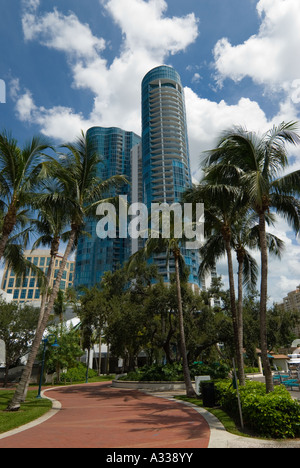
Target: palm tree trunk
[
  {"x": 263, "y": 304},
  {"x": 42, "y": 309},
  {"x": 44, "y": 296},
  {"x": 239, "y": 354},
  {"x": 14, "y": 405},
  {"x": 186, "y": 372},
  {"x": 240, "y": 316}
]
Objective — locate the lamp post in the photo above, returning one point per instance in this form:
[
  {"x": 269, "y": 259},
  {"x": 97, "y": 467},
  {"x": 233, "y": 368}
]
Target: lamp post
[{"x": 54, "y": 345}]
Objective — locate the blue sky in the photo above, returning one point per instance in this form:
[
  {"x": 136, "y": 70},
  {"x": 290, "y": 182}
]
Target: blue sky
[{"x": 69, "y": 64}]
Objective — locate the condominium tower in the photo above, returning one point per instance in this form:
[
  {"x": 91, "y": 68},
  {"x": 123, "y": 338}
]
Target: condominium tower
[
  {"x": 96, "y": 256},
  {"x": 165, "y": 151}
]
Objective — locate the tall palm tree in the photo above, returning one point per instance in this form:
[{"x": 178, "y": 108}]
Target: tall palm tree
[
  {"x": 52, "y": 226},
  {"x": 222, "y": 210},
  {"x": 20, "y": 172},
  {"x": 77, "y": 174},
  {"x": 171, "y": 246},
  {"x": 258, "y": 164}
]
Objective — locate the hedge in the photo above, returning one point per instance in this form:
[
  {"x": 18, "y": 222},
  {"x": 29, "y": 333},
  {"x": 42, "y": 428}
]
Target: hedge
[{"x": 274, "y": 415}]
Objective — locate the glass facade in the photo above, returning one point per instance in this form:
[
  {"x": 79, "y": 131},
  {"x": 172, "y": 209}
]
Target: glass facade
[
  {"x": 166, "y": 166},
  {"x": 96, "y": 256},
  {"x": 165, "y": 150}
]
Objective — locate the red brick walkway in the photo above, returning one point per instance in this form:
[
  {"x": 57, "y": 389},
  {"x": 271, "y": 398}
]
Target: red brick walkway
[{"x": 98, "y": 416}]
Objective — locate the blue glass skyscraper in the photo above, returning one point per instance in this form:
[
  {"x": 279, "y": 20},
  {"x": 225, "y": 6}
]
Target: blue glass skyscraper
[
  {"x": 94, "y": 255},
  {"x": 165, "y": 151}
]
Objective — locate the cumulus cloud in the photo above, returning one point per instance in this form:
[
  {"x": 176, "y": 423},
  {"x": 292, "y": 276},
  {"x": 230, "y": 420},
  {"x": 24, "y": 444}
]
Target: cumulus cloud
[
  {"x": 153, "y": 31},
  {"x": 64, "y": 33},
  {"x": 207, "y": 119},
  {"x": 268, "y": 57}
]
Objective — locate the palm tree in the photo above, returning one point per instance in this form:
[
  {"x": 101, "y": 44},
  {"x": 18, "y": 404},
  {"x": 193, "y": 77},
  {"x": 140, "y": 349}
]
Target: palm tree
[
  {"x": 77, "y": 174},
  {"x": 170, "y": 246},
  {"x": 258, "y": 164},
  {"x": 20, "y": 172},
  {"x": 222, "y": 210},
  {"x": 52, "y": 227}
]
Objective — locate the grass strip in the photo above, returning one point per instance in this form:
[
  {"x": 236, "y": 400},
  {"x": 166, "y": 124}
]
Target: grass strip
[{"x": 30, "y": 410}]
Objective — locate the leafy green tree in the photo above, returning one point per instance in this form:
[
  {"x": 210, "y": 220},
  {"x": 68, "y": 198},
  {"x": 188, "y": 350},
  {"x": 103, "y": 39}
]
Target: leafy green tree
[
  {"x": 66, "y": 355},
  {"x": 17, "y": 328}
]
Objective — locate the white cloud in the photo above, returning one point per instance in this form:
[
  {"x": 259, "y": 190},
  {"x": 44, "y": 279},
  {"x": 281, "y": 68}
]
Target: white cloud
[
  {"x": 270, "y": 56},
  {"x": 153, "y": 31},
  {"x": 64, "y": 33},
  {"x": 207, "y": 119}
]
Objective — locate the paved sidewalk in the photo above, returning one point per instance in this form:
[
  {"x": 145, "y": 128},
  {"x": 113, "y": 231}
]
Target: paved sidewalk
[{"x": 99, "y": 416}]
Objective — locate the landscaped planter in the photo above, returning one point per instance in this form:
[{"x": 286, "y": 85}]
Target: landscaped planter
[{"x": 151, "y": 386}]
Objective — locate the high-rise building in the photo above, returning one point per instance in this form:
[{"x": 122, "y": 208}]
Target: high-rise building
[
  {"x": 96, "y": 256},
  {"x": 166, "y": 164},
  {"x": 26, "y": 289},
  {"x": 165, "y": 151}
]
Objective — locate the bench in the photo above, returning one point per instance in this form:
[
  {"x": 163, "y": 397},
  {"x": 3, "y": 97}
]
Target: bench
[{"x": 291, "y": 383}]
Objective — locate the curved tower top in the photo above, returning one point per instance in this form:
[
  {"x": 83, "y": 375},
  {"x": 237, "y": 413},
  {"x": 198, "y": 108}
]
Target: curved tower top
[{"x": 166, "y": 165}]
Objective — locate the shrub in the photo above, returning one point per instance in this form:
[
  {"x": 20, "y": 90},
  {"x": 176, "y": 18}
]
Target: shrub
[
  {"x": 157, "y": 372},
  {"x": 216, "y": 370},
  {"x": 77, "y": 374},
  {"x": 274, "y": 415},
  {"x": 174, "y": 372}
]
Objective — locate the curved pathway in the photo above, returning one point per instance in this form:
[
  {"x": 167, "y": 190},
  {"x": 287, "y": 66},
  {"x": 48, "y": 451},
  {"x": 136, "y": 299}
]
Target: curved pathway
[{"x": 99, "y": 416}]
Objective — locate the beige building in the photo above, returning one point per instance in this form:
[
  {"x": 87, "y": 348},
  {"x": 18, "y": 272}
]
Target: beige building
[
  {"x": 26, "y": 289},
  {"x": 292, "y": 303}
]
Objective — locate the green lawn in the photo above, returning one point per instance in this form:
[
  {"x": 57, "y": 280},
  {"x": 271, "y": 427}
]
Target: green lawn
[{"x": 31, "y": 409}]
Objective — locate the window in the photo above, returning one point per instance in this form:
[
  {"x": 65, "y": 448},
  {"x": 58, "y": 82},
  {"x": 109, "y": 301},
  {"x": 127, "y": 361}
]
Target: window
[
  {"x": 30, "y": 294},
  {"x": 16, "y": 293},
  {"x": 23, "y": 294},
  {"x": 32, "y": 283},
  {"x": 42, "y": 261},
  {"x": 37, "y": 294},
  {"x": 11, "y": 283}
]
